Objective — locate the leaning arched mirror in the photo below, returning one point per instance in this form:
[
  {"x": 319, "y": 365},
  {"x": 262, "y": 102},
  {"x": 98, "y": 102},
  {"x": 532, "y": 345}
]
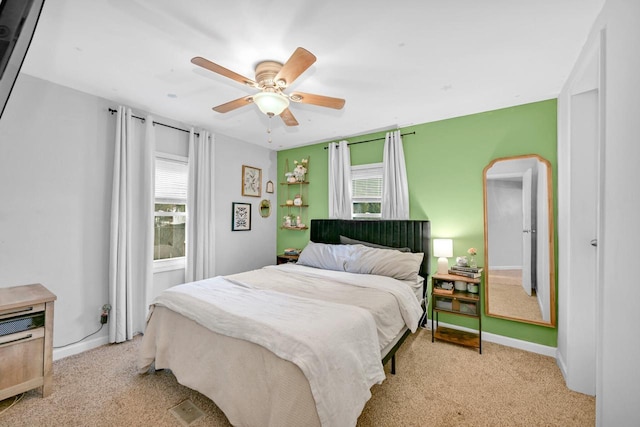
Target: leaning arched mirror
[{"x": 518, "y": 240}]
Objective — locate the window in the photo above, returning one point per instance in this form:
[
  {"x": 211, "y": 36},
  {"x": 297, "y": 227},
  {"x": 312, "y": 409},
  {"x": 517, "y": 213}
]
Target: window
[
  {"x": 366, "y": 191},
  {"x": 170, "y": 212}
]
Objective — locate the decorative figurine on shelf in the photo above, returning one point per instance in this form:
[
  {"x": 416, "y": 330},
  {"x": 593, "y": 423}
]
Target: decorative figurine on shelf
[
  {"x": 287, "y": 221},
  {"x": 299, "y": 223},
  {"x": 462, "y": 261},
  {"x": 300, "y": 169},
  {"x": 297, "y": 200},
  {"x": 290, "y": 177}
]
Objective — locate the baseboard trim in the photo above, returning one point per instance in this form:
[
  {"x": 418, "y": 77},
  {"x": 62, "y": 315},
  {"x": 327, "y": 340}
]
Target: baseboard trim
[
  {"x": 562, "y": 365},
  {"x": 61, "y": 353},
  {"x": 507, "y": 341}
]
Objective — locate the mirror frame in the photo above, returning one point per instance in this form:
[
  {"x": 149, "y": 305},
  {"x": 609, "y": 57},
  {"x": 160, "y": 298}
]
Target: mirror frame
[
  {"x": 265, "y": 205},
  {"x": 552, "y": 265}
]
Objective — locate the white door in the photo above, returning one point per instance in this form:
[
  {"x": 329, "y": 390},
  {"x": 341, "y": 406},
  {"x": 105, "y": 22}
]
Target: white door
[{"x": 526, "y": 232}]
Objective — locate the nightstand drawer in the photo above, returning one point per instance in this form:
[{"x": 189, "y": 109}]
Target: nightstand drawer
[
  {"x": 468, "y": 307},
  {"x": 21, "y": 356},
  {"x": 444, "y": 304},
  {"x": 14, "y": 312}
]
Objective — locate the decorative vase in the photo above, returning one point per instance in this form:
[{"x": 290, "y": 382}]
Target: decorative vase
[
  {"x": 472, "y": 261},
  {"x": 291, "y": 179}
]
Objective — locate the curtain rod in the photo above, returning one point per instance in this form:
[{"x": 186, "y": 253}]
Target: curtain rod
[
  {"x": 375, "y": 139},
  {"x": 112, "y": 111}
]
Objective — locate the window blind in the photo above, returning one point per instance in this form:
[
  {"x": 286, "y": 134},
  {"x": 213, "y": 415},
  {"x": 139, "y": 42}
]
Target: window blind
[
  {"x": 366, "y": 181},
  {"x": 171, "y": 181}
]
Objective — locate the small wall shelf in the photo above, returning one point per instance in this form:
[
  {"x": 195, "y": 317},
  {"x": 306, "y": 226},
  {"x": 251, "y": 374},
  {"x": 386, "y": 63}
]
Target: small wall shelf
[
  {"x": 294, "y": 210},
  {"x": 294, "y": 228}
]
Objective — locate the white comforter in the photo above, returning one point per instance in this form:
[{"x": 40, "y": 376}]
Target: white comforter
[
  {"x": 334, "y": 344},
  {"x": 367, "y": 291}
]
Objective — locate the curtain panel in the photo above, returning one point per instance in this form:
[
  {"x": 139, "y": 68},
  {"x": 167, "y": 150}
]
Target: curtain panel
[
  {"x": 339, "y": 180},
  {"x": 395, "y": 188},
  {"x": 131, "y": 233},
  {"x": 200, "y": 208}
]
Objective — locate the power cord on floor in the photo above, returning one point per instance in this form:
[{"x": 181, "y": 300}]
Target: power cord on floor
[
  {"x": 81, "y": 339},
  {"x": 424, "y": 321},
  {"x": 15, "y": 400}
]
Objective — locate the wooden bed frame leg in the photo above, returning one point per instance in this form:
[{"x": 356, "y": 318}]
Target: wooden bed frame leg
[{"x": 393, "y": 364}]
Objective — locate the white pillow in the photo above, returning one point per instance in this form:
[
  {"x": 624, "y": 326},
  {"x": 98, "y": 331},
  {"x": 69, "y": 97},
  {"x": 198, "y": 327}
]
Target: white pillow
[
  {"x": 349, "y": 241},
  {"x": 325, "y": 256},
  {"x": 384, "y": 262}
]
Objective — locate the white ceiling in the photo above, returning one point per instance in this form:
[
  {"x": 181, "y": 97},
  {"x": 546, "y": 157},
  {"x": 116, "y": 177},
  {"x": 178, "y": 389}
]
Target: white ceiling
[{"x": 396, "y": 63}]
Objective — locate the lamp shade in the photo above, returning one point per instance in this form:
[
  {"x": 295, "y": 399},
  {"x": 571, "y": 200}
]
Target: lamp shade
[
  {"x": 271, "y": 102},
  {"x": 443, "y": 248}
]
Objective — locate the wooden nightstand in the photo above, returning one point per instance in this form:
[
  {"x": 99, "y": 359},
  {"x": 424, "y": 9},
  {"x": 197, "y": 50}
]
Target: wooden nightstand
[
  {"x": 459, "y": 303},
  {"x": 26, "y": 346},
  {"x": 283, "y": 259}
]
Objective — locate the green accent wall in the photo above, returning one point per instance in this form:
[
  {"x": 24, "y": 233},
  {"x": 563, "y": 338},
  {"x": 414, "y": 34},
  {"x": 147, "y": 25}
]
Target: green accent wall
[{"x": 444, "y": 160}]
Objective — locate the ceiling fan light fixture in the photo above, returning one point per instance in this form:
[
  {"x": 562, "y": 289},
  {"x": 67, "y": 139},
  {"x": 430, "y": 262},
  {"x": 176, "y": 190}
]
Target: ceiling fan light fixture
[{"x": 271, "y": 103}]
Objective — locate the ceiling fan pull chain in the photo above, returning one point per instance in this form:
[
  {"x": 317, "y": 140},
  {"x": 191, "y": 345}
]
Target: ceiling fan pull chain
[{"x": 269, "y": 129}]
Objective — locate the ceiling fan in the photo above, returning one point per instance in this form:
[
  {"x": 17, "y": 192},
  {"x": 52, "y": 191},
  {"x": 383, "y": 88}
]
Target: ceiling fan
[{"x": 272, "y": 78}]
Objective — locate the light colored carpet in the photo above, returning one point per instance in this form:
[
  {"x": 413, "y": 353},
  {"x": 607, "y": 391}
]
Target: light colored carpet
[{"x": 437, "y": 384}]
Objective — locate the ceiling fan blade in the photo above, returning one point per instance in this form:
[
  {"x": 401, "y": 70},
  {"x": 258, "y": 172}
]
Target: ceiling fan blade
[
  {"x": 322, "y": 101},
  {"x": 232, "y": 105},
  {"x": 212, "y": 66},
  {"x": 287, "y": 118},
  {"x": 300, "y": 60}
]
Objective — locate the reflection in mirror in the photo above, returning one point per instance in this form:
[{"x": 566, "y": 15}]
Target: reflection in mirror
[
  {"x": 265, "y": 208},
  {"x": 519, "y": 255}
]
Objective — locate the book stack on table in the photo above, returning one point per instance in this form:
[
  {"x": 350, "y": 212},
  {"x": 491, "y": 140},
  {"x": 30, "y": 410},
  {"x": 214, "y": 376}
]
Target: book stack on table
[{"x": 471, "y": 272}]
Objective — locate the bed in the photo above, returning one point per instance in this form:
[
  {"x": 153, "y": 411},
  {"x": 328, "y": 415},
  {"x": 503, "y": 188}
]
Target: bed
[{"x": 296, "y": 344}]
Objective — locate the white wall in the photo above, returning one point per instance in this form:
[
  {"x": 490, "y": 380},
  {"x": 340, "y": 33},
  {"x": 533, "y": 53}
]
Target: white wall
[
  {"x": 243, "y": 250},
  {"x": 616, "y": 314},
  {"x": 56, "y": 161}
]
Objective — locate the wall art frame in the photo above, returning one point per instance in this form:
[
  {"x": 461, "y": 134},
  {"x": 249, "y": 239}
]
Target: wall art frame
[
  {"x": 251, "y": 181},
  {"x": 240, "y": 216}
]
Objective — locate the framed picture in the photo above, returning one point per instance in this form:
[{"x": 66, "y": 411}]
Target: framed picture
[
  {"x": 269, "y": 188},
  {"x": 251, "y": 181},
  {"x": 241, "y": 216}
]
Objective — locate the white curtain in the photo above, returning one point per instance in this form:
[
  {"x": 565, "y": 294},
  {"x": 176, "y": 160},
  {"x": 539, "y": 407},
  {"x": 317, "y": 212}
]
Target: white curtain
[
  {"x": 131, "y": 239},
  {"x": 395, "y": 189},
  {"x": 339, "y": 180},
  {"x": 200, "y": 208}
]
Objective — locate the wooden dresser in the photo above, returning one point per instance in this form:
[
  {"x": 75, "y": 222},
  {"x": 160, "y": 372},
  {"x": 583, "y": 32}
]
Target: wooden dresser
[{"x": 26, "y": 339}]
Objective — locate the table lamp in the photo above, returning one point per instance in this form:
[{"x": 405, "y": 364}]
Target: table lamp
[{"x": 443, "y": 249}]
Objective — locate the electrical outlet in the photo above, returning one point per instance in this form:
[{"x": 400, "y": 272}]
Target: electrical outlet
[{"x": 104, "y": 314}]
